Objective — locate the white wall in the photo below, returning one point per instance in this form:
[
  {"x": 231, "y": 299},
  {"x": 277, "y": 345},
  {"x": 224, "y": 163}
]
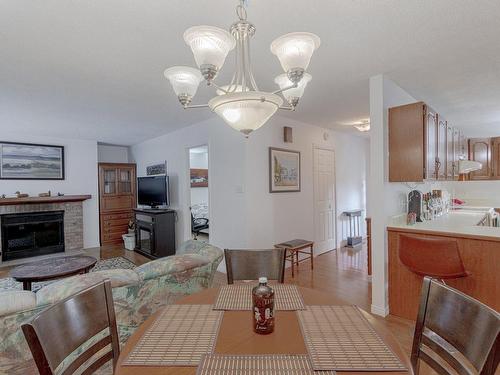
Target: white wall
[
  {"x": 242, "y": 211},
  {"x": 80, "y": 158},
  {"x": 112, "y": 154},
  {"x": 199, "y": 160}
]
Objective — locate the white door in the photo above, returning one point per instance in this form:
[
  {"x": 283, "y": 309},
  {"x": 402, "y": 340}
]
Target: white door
[{"x": 324, "y": 199}]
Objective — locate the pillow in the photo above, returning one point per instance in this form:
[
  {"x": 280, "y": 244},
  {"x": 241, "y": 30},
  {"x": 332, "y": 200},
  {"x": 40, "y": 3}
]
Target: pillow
[
  {"x": 12, "y": 301},
  {"x": 64, "y": 288}
]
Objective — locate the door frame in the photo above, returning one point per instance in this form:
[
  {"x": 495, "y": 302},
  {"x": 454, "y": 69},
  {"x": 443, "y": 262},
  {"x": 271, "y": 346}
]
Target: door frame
[
  {"x": 327, "y": 148},
  {"x": 187, "y": 190}
]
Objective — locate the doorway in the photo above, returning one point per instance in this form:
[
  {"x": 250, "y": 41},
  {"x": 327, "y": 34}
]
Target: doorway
[
  {"x": 199, "y": 193},
  {"x": 324, "y": 199}
]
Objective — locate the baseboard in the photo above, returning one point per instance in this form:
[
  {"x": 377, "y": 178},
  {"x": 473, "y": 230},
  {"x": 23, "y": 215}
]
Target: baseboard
[{"x": 380, "y": 310}]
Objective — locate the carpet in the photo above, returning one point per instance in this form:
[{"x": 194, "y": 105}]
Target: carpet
[{"x": 9, "y": 283}]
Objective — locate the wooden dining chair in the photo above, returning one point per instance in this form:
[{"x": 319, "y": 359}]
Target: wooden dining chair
[
  {"x": 56, "y": 332},
  {"x": 456, "y": 331},
  {"x": 252, "y": 264}
]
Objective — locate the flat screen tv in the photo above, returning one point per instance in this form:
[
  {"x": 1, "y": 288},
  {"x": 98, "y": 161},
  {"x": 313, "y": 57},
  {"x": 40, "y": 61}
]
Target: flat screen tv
[{"x": 153, "y": 191}]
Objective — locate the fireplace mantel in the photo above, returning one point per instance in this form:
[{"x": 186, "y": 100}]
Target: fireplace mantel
[{"x": 39, "y": 200}]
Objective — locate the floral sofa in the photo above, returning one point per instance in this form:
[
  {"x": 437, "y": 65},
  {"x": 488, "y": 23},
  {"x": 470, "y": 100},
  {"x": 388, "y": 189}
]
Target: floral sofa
[{"x": 137, "y": 294}]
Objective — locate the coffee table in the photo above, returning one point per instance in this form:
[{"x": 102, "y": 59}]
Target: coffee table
[{"x": 53, "y": 268}]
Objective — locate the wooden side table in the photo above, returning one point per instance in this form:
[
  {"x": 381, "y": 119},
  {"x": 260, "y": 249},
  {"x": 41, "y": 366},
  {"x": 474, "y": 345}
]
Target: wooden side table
[{"x": 295, "y": 247}]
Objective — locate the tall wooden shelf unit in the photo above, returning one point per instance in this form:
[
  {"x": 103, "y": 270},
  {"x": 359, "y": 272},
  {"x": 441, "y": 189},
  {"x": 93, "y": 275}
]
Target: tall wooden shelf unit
[{"x": 117, "y": 199}]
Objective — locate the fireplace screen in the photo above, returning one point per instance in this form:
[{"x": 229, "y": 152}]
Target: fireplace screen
[{"x": 31, "y": 234}]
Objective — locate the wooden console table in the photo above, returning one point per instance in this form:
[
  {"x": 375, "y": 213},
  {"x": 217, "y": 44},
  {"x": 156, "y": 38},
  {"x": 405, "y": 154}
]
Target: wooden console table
[{"x": 295, "y": 247}]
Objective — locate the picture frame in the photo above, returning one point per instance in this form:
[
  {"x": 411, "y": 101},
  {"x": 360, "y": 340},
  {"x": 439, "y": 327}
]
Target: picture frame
[
  {"x": 157, "y": 169},
  {"x": 31, "y": 161},
  {"x": 199, "y": 177},
  {"x": 284, "y": 170}
]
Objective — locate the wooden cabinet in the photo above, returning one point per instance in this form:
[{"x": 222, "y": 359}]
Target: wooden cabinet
[
  {"x": 442, "y": 141},
  {"x": 117, "y": 199},
  {"x": 423, "y": 145},
  {"x": 480, "y": 150},
  {"x": 495, "y": 158}
]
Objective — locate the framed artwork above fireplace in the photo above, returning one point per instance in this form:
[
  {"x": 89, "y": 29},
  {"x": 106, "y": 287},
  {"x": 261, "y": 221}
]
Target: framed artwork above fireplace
[{"x": 28, "y": 161}]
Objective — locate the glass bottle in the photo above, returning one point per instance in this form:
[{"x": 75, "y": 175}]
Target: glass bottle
[{"x": 263, "y": 307}]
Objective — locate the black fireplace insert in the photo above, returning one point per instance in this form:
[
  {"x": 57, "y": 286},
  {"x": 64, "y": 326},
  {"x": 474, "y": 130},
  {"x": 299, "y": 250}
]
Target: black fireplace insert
[{"x": 29, "y": 234}]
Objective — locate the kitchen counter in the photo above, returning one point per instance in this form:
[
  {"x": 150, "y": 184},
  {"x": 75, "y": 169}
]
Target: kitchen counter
[
  {"x": 479, "y": 248},
  {"x": 460, "y": 222}
]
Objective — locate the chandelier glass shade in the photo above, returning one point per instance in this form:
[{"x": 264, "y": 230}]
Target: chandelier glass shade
[{"x": 240, "y": 103}]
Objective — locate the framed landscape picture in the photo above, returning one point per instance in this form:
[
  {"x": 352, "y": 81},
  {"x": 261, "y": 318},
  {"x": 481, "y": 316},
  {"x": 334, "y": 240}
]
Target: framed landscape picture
[
  {"x": 284, "y": 170},
  {"x": 199, "y": 177},
  {"x": 27, "y": 161}
]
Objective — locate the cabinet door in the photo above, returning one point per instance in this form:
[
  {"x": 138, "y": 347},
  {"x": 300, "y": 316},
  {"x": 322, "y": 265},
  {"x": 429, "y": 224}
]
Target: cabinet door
[
  {"x": 480, "y": 150},
  {"x": 441, "y": 158},
  {"x": 108, "y": 181},
  {"x": 450, "y": 153},
  {"x": 126, "y": 180},
  {"x": 456, "y": 152},
  {"x": 463, "y": 149},
  {"x": 430, "y": 144},
  {"x": 495, "y": 158}
]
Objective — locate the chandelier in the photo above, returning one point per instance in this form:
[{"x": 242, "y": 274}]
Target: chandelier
[{"x": 240, "y": 103}]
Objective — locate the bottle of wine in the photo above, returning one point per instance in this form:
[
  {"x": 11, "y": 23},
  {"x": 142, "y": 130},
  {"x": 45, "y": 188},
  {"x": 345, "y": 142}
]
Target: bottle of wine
[{"x": 263, "y": 307}]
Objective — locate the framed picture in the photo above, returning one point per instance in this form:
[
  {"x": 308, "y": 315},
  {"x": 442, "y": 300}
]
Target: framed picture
[
  {"x": 156, "y": 169},
  {"x": 284, "y": 170},
  {"x": 199, "y": 177},
  {"x": 27, "y": 161}
]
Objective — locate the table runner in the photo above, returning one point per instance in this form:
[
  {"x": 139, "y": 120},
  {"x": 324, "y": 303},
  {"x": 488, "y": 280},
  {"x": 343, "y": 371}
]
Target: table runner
[
  {"x": 271, "y": 364},
  {"x": 239, "y": 297},
  {"x": 340, "y": 338},
  {"x": 180, "y": 336}
]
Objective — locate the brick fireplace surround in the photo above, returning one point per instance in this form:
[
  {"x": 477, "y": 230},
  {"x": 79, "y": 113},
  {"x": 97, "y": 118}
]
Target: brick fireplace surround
[{"x": 73, "y": 215}]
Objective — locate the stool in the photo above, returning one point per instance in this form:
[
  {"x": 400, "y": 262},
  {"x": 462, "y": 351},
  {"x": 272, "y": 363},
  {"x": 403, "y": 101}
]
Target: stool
[
  {"x": 295, "y": 247},
  {"x": 434, "y": 257}
]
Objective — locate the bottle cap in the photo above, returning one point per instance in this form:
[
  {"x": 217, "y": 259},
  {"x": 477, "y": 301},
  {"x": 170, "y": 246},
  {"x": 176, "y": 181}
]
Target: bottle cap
[{"x": 262, "y": 280}]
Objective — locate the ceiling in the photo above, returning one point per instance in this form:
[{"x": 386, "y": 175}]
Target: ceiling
[{"x": 93, "y": 69}]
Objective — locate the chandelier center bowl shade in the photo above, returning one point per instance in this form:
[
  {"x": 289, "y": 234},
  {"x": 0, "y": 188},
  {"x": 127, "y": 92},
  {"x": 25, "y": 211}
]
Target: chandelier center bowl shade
[{"x": 240, "y": 103}]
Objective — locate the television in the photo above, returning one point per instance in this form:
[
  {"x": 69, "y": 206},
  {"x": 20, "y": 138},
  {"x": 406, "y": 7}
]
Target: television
[{"x": 153, "y": 191}]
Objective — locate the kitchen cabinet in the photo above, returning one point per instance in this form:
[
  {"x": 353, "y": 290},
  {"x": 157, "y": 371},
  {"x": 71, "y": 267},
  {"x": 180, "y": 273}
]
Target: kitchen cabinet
[
  {"x": 480, "y": 150},
  {"x": 450, "y": 152},
  {"x": 495, "y": 158},
  {"x": 117, "y": 199},
  {"x": 431, "y": 144},
  {"x": 442, "y": 142},
  {"x": 456, "y": 152}
]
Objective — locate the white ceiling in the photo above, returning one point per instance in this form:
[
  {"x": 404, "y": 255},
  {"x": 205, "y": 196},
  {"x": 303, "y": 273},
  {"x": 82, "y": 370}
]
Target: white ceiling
[{"x": 93, "y": 69}]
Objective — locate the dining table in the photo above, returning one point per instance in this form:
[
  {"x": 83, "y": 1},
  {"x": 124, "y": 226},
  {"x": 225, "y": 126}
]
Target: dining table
[{"x": 236, "y": 335}]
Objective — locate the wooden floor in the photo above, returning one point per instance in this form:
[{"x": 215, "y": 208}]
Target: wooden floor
[{"x": 343, "y": 274}]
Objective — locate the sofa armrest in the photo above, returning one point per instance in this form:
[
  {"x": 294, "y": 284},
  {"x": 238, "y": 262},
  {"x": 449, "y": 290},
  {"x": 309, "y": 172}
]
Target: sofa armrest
[
  {"x": 12, "y": 301},
  {"x": 170, "y": 265}
]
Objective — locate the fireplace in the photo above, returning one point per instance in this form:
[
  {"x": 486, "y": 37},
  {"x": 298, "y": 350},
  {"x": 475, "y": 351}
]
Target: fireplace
[{"x": 30, "y": 234}]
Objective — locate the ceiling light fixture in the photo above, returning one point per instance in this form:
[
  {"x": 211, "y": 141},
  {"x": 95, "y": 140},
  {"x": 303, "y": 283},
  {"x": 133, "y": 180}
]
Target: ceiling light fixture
[
  {"x": 240, "y": 104},
  {"x": 363, "y": 126}
]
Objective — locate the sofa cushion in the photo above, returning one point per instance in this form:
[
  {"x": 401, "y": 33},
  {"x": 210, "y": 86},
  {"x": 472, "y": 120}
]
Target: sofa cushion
[
  {"x": 16, "y": 300},
  {"x": 64, "y": 288},
  {"x": 171, "y": 264}
]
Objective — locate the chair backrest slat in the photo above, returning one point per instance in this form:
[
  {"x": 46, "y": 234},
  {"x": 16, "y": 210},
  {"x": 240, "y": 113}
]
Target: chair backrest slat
[
  {"x": 59, "y": 330},
  {"x": 252, "y": 264},
  {"x": 450, "y": 322}
]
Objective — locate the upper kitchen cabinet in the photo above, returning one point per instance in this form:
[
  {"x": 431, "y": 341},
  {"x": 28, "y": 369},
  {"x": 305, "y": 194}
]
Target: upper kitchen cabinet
[
  {"x": 422, "y": 145},
  {"x": 480, "y": 150},
  {"x": 442, "y": 141},
  {"x": 406, "y": 139},
  {"x": 495, "y": 158}
]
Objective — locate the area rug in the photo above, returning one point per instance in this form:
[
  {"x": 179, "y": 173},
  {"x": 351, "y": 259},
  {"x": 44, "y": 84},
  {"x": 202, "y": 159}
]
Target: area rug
[{"x": 8, "y": 283}]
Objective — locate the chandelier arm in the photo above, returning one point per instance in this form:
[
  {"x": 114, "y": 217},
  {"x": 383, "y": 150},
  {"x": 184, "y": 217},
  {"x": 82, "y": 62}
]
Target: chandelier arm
[
  {"x": 217, "y": 87},
  {"x": 195, "y": 106},
  {"x": 287, "y": 108},
  {"x": 243, "y": 62},
  {"x": 285, "y": 88},
  {"x": 248, "y": 62}
]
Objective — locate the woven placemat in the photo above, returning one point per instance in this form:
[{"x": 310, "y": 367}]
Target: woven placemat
[
  {"x": 239, "y": 297},
  {"x": 271, "y": 364},
  {"x": 340, "y": 338},
  {"x": 180, "y": 336}
]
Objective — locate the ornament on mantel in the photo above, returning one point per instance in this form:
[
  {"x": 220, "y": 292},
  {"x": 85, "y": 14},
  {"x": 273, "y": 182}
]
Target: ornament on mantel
[
  {"x": 44, "y": 195},
  {"x": 21, "y": 195}
]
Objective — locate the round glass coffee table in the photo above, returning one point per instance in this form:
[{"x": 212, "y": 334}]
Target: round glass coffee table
[{"x": 53, "y": 268}]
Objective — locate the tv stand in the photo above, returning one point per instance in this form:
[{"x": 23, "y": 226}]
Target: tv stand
[{"x": 155, "y": 232}]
